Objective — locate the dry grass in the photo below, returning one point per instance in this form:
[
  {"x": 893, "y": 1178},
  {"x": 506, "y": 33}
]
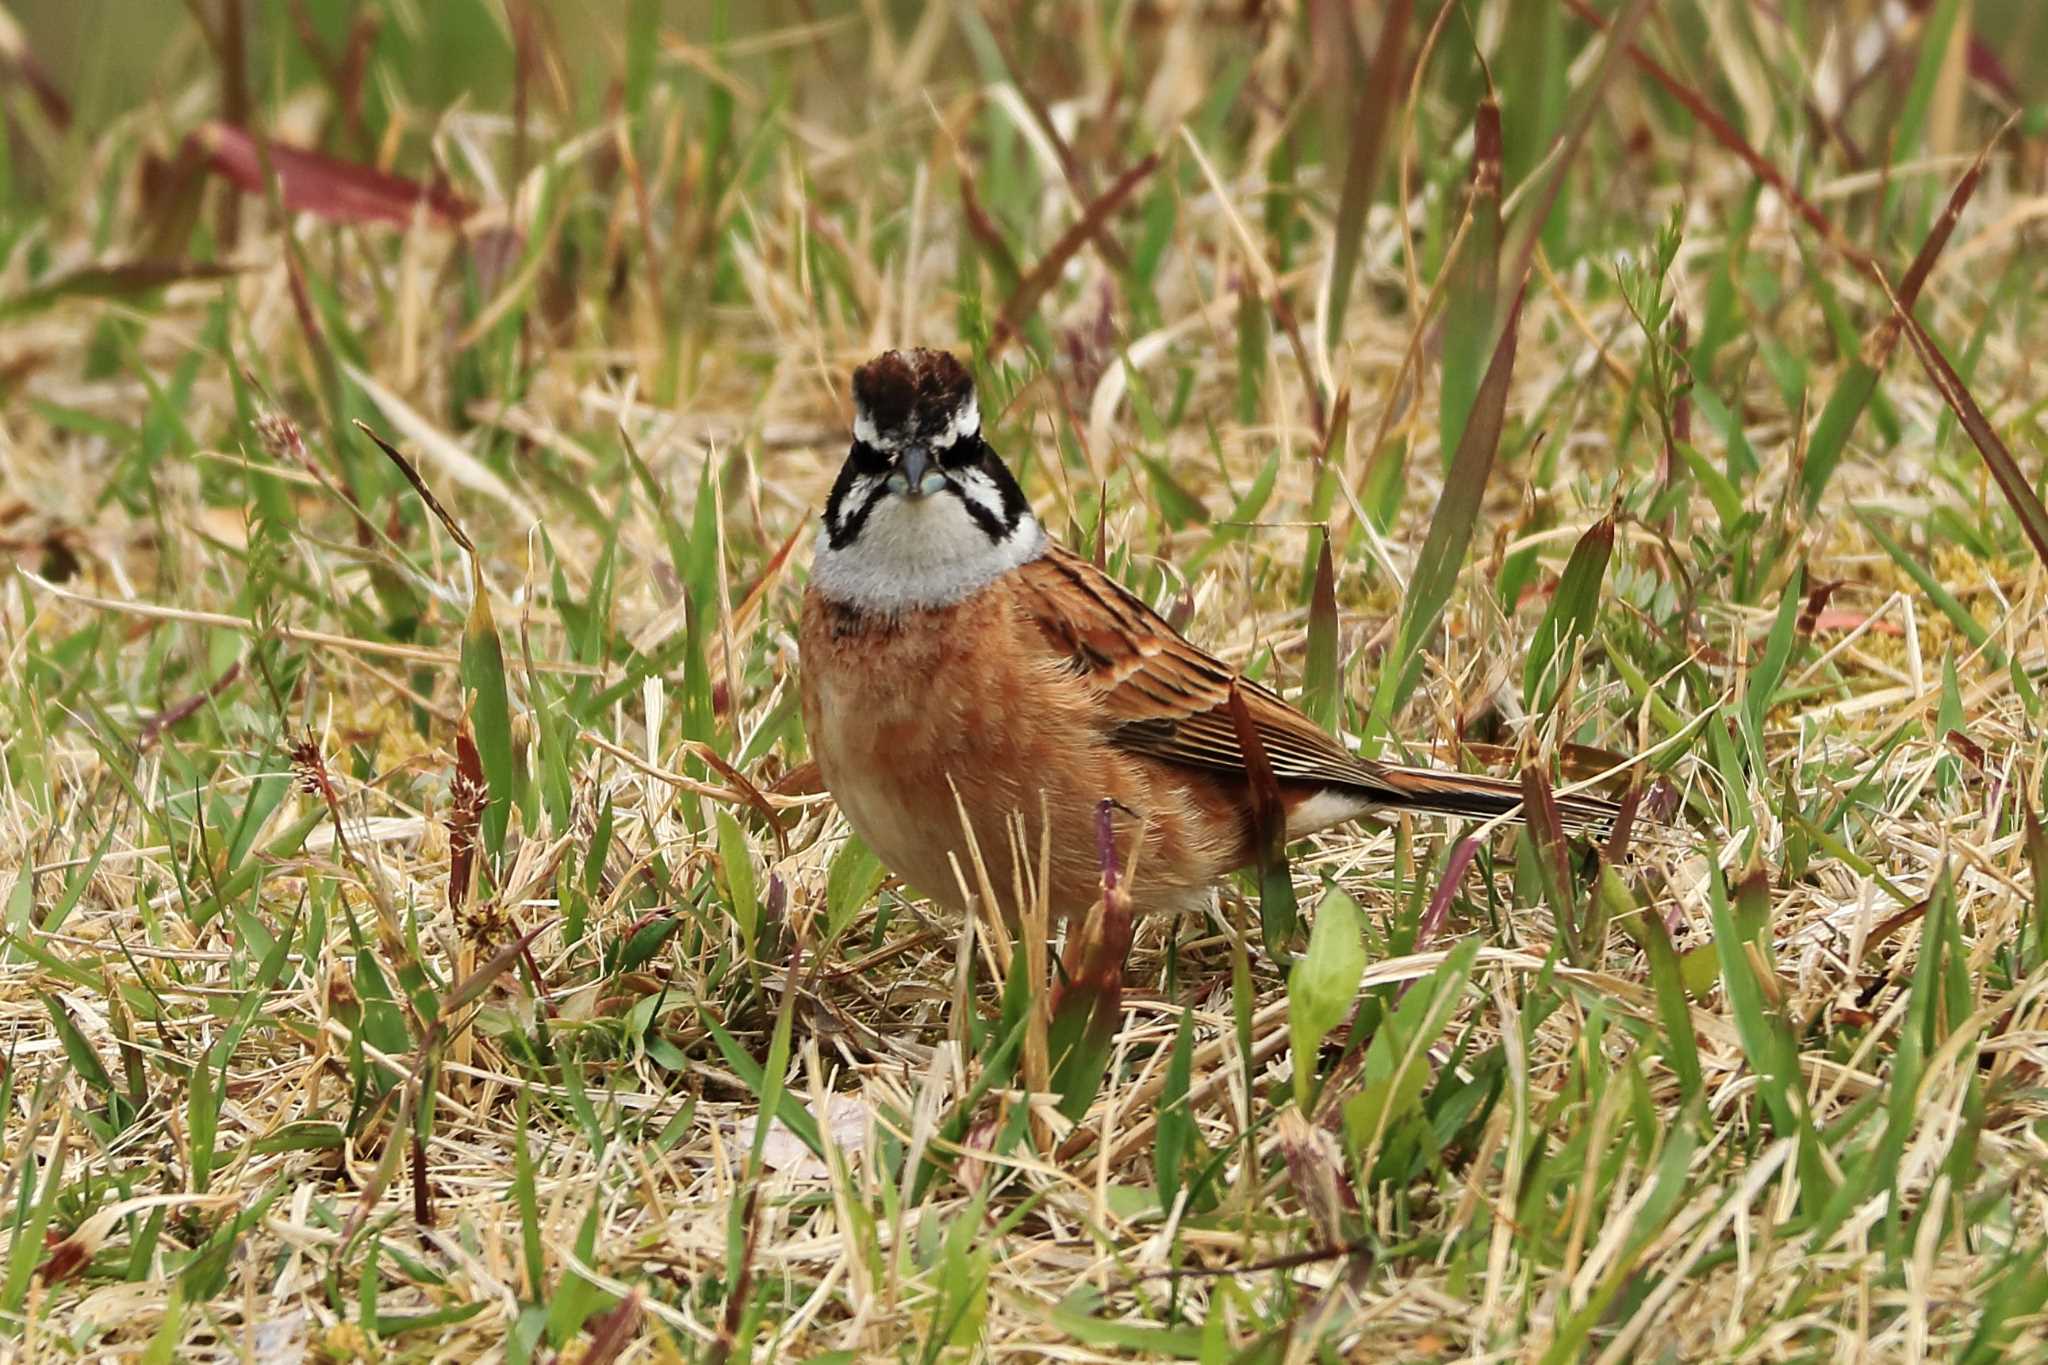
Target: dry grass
[{"x": 272, "y": 1090}]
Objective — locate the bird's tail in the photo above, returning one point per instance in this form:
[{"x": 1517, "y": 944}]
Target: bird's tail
[{"x": 1434, "y": 791}]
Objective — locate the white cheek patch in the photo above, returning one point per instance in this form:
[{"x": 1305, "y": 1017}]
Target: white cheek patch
[
  {"x": 979, "y": 489},
  {"x": 921, "y": 552},
  {"x": 859, "y": 494}
]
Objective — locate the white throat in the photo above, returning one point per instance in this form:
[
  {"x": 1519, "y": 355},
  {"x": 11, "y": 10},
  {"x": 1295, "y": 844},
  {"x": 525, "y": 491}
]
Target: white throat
[{"x": 917, "y": 553}]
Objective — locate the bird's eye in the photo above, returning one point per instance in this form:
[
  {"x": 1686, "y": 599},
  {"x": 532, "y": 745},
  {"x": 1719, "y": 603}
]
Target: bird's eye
[
  {"x": 963, "y": 453},
  {"x": 868, "y": 460}
]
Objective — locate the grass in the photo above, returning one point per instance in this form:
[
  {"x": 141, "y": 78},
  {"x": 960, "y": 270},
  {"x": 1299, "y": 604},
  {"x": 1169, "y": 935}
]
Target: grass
[{"x": 418, "y": 934}]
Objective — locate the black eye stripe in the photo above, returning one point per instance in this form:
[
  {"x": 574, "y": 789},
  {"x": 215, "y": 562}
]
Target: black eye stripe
[
  {"x": 867, "y": 459},
  {"x": 860, "y": 489}
]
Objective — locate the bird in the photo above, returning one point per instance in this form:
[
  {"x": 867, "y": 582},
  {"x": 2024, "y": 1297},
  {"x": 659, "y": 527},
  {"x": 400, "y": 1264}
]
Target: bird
[{"x": 970, "y": 684}]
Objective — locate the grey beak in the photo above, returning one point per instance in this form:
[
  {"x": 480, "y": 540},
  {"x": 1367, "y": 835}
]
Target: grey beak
[{"x": 915, "y": 474}]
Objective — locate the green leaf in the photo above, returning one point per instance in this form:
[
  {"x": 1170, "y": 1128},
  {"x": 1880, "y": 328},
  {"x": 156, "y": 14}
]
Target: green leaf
[
  {"x": 206, "y": 1273},
  {"x": 1767, "y": 1042},
  {"x": 202, "y": 1118},
  {"x": 490, "y": 715},
  {"x": 1914, "y": 567},
  {"x": 1948, "y": 717},
  {"x": 1087, "y": 1004},
  {"x": 1937, "y": 30},
  {"x": 855, "y": 876},
  {"x": 1322, "y": 987},
  {"x": 163, "y": 1344},
  {"x": 1233, "y": 527},
  {"x": 487, "y": 702},
  {"x": 35, "y": 1206},
  {"x": 1396, "y": 1062},
  {"x": 1365, "y": 136},
  {"x": 2011, "y": 479},
  {"x": 1570, "y": 615},
  {"x": 84, "y": 1059},
  {"x": 243, "y": 879},
  {"x": 1075, "y": 1317},
  {"x": 1742, "y": 463},
  {"x": 2037, "y": 864},
  {"x": 1674, "y": 994},
  {"x": 1179, "y": 507},
  {"x": 1720, "y": 490},
  {"x": 1830, "y": 439},
  {"x": 2017, "y": 1294},
  {"x": 786, "y": 1106},
  {"x": 526, "y": 1196}
]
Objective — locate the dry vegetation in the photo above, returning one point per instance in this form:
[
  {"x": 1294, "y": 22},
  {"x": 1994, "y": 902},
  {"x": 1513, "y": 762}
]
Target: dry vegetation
[{"x": 398, "y": 945}]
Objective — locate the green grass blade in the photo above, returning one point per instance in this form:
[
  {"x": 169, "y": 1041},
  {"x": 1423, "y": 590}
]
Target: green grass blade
[
  {"x": 1916, "y": 569},
  {"x": 1367, "y": 139},
  {"x": 1858, "y": 381},
  {"x": 1766, "y": 1042},
  {"x": 1778, "y": 646},
  {"x": 2005, "y": 470},
  {"x": 1472, "y": 295},
  {"x": 1450, "y": 528},
  {"x": 1321, "y": 689},
  {"x": 1569, "y": 617},
  {"x": 1936, "y": 32}
]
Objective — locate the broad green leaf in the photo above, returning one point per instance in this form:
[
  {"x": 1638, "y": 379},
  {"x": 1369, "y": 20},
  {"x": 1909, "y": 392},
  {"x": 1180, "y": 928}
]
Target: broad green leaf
[
  {"x": 855, "y": 876},
  {"x": 1322, "y": 986}
]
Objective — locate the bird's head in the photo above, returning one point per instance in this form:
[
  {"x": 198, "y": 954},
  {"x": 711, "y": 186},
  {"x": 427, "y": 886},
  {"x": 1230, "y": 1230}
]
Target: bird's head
[{"x": 924, "y": 512}]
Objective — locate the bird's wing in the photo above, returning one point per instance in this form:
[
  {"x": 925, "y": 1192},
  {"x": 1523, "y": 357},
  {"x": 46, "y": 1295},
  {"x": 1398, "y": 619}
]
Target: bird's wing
[{"x": 1163, "y": 697}]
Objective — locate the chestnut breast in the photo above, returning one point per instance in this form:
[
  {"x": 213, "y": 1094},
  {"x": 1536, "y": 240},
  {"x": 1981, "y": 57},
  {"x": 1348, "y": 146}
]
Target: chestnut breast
[{"x": 905, "y": 709}]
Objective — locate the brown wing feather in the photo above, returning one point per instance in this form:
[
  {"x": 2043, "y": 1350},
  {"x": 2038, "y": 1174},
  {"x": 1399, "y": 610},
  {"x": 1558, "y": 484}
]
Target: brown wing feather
[
  {"x": 1168, "y": 699},
  {"x": 1165, "y": 697}
]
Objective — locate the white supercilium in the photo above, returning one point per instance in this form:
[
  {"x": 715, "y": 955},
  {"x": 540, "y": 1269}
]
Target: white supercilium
[{"x": 966, "y": 421}]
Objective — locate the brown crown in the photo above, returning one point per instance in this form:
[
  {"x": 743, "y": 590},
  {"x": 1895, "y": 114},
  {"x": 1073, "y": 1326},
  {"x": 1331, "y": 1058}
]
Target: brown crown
[{"x": 912, "y": 393}]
